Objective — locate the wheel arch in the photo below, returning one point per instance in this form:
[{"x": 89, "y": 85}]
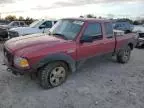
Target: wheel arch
[{"x": 60, "y": 57}]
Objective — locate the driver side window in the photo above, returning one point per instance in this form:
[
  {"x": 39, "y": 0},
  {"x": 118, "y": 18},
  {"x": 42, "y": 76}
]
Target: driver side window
[
  {"x": 93, "y": 30},
  {"x": 47, "y": 24}
]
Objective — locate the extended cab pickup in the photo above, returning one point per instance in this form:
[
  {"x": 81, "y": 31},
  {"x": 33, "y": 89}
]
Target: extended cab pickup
[{"x": 52, "y": 56}]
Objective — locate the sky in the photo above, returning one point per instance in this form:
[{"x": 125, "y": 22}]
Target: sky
[{"x": 72, "y": 8}]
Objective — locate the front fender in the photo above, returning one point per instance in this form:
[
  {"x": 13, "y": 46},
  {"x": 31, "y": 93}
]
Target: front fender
[{"x": 58, "y": 57}]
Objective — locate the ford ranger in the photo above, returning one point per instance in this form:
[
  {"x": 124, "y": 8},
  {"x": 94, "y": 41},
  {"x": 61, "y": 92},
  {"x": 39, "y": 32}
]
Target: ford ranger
[{"x": 54, "y": 55}]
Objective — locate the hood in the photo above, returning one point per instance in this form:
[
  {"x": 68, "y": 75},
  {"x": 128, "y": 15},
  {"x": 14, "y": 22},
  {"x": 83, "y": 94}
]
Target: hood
[
  {"x": 36, "y": 41},
  {"x": 25, "y": 30}
]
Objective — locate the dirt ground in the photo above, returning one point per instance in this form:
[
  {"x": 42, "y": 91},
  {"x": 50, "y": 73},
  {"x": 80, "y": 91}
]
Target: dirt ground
[{"x": 99, "y": 83}]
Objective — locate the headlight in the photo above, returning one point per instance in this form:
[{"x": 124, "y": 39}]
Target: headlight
[{"x": 21, "y": 62}]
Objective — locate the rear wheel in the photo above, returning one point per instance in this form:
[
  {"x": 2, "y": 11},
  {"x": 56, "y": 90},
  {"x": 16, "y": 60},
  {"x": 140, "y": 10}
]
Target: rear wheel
[
  {"x": 52, "y": 75},
  {"x": 124, "y": 55}
]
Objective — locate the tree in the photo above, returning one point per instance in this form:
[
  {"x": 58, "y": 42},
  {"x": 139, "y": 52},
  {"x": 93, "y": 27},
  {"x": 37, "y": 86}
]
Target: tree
[
  {"x": 21, "y": 18},
  {"x": 81, "y": 16},
  {"x": 136, "y": 23},
  {"x": 89, "y": 16},
  {"x": 29, "y": 20},
  {"x": 100, "y": 17},
  {"x": 10, "y": 18}
]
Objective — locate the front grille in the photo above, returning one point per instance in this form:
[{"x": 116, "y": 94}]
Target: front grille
[
  {"x": 8, "y": 56},
  {"x": 13, "y": 34}
]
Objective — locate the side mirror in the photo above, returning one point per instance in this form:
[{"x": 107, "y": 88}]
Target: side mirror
[
  {"x": 42, "y": 26},
  {"x": 86, "y": 39}
]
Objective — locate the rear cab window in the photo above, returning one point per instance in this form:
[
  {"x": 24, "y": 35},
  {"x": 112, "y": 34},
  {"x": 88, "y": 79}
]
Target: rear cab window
[{"x": 108, "y": 29}]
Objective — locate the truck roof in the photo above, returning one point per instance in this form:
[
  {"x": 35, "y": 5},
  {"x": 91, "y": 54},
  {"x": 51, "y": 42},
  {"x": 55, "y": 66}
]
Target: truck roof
[{"x": 90, "y": 19}]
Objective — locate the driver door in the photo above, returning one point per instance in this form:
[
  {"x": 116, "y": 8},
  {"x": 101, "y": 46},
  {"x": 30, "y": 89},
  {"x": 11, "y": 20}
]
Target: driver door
[{"x": 96, "y": 47}]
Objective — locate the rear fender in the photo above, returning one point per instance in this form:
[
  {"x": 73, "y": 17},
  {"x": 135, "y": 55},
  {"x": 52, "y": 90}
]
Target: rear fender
[{"x": 130, "y": 42}]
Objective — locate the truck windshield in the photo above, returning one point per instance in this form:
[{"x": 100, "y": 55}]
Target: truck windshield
[
  {"x": 36, "y": 24},
  {"x": 66, "y": 28}
]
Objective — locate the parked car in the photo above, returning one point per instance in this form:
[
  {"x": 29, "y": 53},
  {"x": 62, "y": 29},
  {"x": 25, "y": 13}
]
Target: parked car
[
  {"x": 4, "y": 22},
  {"x": 39, "y": 26},
  {"x": 14, "y": 24},
  {"x": 125, "y": 26},
  {"x": 70, "y": 41},
  {"x": 6, "y": 33},
  {"x": 140, "y": 30}
]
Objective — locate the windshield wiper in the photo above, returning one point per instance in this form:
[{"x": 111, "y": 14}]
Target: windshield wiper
[{"x": 59, "y": 34}]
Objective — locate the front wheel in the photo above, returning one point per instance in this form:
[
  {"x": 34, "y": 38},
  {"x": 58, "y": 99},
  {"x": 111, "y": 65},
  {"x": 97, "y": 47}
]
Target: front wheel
[
  {"x": 53, "y": 74},
  {"x": 124, "y": 55}
]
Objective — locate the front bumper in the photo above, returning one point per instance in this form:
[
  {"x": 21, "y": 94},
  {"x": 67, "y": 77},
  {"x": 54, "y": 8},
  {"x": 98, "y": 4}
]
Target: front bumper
[{"x": 16, "y": 71}]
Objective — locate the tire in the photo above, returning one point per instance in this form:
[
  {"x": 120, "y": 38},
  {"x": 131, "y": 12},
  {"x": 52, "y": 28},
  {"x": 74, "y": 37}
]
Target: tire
[
  {"x": 53, "y": 75},
  {"x": 124, "y": 55}
]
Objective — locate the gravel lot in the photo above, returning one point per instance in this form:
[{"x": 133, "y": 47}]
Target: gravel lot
[{"x": 100, "y": 83}]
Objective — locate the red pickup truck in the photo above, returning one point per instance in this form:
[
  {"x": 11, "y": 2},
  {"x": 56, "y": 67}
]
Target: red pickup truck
[{"x": 54, "y": 55}]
